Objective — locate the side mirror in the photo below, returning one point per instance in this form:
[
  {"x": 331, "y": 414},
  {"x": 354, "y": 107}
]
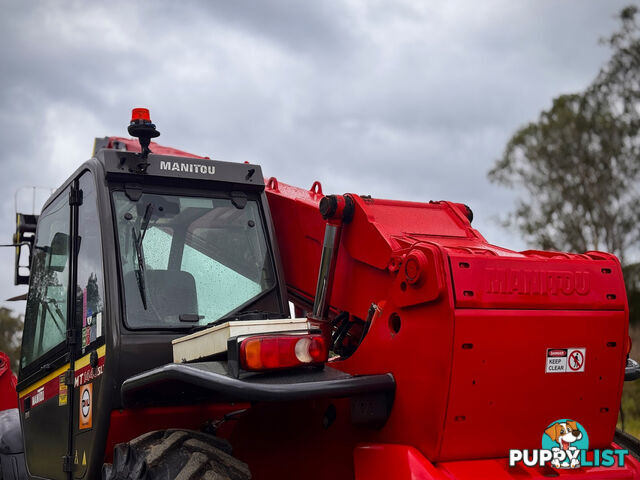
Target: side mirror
[
  {"x": 632, "y": 370},
  {"x": 24, "y": 237}
]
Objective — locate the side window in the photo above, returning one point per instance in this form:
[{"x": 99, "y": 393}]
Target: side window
[
  {"x": 45, "y": 322},
  {"x": 90, "y": 287}
]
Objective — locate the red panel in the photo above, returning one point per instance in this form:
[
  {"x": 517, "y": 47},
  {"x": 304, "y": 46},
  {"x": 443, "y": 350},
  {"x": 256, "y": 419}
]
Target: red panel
[
  {"x": 402, "y": 462},
  {"x": 282, "y": 441},
  {"x": 576, "y": 282},
  {"x": 498, "y": 469},
  {"x": 8, "y": 394},
  {"x": 502, "y": 398},
  {"x": 398, "y": 462}
]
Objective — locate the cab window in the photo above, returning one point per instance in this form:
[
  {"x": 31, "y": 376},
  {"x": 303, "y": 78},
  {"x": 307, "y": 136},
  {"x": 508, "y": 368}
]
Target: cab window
[
  {"x": 46, "y": 315},
  {"x": 90, "y": 288},
  {"x": 197, "y": 257}
]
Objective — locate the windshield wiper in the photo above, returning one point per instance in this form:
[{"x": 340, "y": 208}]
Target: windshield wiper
[
  {"x": 247, "y": 315},
  {"x": 145, "y": 221},
  {"x": 139, "y": 272},
  {"x": 137, "y": 243}
]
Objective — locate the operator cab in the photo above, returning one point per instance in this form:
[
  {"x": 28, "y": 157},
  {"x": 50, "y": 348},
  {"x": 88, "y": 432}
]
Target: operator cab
[
  {"x": 194, "y": 246},
  {"x": 131, "y": 252},
  {"x": 190, "y": 260}
]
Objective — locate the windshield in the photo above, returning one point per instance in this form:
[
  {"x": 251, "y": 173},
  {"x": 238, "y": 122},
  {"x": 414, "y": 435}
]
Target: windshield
[{"x": 188, "y": 261}]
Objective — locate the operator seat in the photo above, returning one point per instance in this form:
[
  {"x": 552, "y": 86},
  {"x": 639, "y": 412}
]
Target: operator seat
[{"x": 169, "y": 293}]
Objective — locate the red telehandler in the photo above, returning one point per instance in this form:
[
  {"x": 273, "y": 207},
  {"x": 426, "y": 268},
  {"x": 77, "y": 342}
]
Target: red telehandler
[{"x": 159, "y": 290}]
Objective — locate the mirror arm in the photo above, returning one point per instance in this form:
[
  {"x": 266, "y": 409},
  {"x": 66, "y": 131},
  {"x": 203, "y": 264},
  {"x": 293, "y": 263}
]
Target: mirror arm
[{"x": 16, "y": 244}]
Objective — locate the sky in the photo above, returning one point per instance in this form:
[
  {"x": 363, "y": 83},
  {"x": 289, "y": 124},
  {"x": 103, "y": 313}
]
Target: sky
[{"x": 411, "y": 100}]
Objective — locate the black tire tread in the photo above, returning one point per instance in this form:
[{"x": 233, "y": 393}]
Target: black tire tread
[{"x": 179, "y": 454}]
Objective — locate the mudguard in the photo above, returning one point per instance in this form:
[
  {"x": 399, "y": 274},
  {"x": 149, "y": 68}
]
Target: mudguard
[
  {"x": 12, "y": 462},
  {"x": 211, "y": 381}
]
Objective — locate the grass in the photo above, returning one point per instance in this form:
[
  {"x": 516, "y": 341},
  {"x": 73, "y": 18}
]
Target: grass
[{"x": 631, "y": 391}]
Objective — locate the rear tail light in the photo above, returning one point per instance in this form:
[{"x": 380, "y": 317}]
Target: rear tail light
[{"x": 270, "y": 352}]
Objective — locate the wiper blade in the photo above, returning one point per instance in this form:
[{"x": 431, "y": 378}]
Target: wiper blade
[
  {"x": 137, "y": 244},
  {"x": 246, "y": 315},
  {"x": 145, "y": 221},
  {"x": 139, "y": 272}
]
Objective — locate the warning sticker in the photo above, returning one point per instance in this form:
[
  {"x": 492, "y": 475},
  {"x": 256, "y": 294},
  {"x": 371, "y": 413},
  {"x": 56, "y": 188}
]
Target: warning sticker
[
  {"x": 86, "y": 406},
  {"x": 565, "y": 360},
  {"x": 62, "y": 391}
]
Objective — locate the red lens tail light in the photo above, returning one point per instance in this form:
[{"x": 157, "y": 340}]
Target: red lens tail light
[{"x": 271, "y": 352}]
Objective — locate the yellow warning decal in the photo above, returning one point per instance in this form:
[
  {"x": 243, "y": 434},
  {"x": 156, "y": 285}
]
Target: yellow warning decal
[
  {"x": 84, "y": 361},
  {"x": 42, "y": 381},
  {"x": 80, "y": 363},
  {"x": 62, "y": 391}
]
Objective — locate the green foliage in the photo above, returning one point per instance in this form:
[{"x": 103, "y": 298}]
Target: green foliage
[
  {"x": 578, "y": 163},
  {"x": 630, "y": 408},
  {"x": 630, "y": 404},
  {"x": 10, "y": 336},
  {"x": 632, "y": 280}
]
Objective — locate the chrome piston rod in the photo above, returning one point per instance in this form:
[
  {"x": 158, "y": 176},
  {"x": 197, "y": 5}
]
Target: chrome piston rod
[
  {"x": 327, "y": 268},
  {"x": 336, "y": 210}
]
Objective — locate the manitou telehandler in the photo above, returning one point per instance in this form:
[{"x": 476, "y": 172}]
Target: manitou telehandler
[{"x": 158, "y": 341}]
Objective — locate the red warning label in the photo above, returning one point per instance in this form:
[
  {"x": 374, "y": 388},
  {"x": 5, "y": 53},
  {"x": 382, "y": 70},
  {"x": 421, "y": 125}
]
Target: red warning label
[{"x": 565, "y": 360}]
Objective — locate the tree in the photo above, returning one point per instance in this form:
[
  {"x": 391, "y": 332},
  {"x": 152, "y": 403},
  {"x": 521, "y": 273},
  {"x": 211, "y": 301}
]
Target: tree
[
  {"x": 10, "y": 336},
  {"x": 579, "y": 162}
]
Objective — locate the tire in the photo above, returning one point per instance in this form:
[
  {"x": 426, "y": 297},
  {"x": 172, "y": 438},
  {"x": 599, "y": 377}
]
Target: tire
[{"x": 175, "y": 454}]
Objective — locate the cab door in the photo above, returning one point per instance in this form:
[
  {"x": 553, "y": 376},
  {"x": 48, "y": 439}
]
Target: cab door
[
  {"x": 43, "y": 383},
  {"x": 90, "y": 402}
]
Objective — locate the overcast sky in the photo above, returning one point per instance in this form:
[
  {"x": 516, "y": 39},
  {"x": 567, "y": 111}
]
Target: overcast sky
[{"x": 398, "y": 99}]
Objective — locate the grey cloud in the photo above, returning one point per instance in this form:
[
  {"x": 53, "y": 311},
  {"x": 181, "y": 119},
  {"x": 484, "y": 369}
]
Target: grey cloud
[{"x": 399, "y": 99}]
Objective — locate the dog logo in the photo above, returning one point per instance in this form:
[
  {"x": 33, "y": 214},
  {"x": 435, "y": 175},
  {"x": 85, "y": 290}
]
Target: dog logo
[
  {"x": 565, "y": 444},
  {"x": 566, "y": 439}
]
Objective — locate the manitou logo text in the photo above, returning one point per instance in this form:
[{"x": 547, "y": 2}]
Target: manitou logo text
[
  {"x": 188, "y": 168},
  {"x": 508, "y": 281}
]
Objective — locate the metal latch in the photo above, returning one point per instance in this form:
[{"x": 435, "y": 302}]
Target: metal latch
[
  {"x": 75, "y": 197},
  {"x": 68, "y": 377},
  {"x": 72, "y": 337},
  {"x": 67, "y": 463}
]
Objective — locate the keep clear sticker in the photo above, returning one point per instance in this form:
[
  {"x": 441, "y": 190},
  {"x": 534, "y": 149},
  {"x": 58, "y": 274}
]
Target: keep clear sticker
[{"x": 565, "y": 360}]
